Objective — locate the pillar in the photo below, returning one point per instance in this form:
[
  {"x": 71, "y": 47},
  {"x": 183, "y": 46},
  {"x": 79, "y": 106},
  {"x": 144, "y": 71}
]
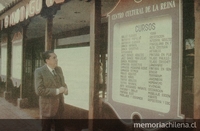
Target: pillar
[
  {"x": 95, "y": 27},
  {"x": 7, "y": 92},
  {"x": 197, "y": 63},
  {"x": 48, "y": 33}
]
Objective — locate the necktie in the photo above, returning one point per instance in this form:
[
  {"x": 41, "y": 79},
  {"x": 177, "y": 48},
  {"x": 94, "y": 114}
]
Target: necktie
[{"x": 54, "y": 73}]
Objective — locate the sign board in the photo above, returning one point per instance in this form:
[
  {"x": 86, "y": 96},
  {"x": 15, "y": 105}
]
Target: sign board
[
  {"x": 145, "y": 59},
  {"x": 24, "y": 12},
  {"x": 28, "y": 10},
  {"x": 51, "y": 2}
]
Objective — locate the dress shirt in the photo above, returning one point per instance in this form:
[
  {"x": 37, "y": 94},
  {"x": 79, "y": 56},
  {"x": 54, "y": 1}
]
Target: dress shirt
[{"x": 51, "y": 70}]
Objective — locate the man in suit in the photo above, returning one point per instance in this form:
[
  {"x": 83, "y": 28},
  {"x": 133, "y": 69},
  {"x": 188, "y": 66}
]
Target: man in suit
[{"x": 50, "y": 86}]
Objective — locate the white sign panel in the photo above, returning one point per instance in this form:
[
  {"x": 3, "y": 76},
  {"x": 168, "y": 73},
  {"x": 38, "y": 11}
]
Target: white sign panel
[
  {"x": 75, "y": 63},
  {"x": 142, "y": 63},
  {"x": 4, "y": 60},
  {"x": 17, "y": 62}
]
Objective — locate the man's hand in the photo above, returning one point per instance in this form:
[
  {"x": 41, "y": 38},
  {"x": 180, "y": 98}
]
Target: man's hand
[
  {"x": 61, "y": 90},
  {"x": 66, "y": 91}
]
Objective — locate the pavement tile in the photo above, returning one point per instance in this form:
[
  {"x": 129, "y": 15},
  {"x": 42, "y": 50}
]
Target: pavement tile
[{"x": 13, "y": 118}]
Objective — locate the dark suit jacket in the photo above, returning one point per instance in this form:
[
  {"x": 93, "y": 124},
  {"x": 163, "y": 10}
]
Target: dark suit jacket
[{"x": 45, "y": 87}]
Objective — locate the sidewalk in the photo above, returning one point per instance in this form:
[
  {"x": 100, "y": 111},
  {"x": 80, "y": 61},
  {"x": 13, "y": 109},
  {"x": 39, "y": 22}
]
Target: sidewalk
[{"x": 13, "y": 118}]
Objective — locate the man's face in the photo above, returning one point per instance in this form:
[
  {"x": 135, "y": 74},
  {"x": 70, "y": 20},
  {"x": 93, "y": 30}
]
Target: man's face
[{"x": 52, "y": 61}]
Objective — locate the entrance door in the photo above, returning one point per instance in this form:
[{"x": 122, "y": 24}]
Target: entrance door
[{"x": 34, "y": 60}]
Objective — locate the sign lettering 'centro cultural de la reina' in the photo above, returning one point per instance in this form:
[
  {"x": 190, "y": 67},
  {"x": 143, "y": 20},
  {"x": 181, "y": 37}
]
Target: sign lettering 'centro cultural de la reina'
[{"x": 145, "y": 59}]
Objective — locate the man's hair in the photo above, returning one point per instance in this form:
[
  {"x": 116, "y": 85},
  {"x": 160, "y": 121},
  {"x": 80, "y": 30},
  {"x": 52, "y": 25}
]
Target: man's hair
[{"x": 46, "y": 55}]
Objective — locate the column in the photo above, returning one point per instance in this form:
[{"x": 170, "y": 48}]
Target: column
[
  {"x": 48, "y": 33},
  {"x": 23, "y": 102},
  {"x": 197, "y": 63},
  {"x": 7, "y": 92},
  {"x": 95, "y": 24}
]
